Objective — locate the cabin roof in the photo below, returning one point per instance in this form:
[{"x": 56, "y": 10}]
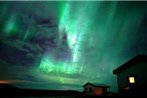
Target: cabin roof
[
  {"x": 96, "y": 85},
  {"x": 129, "y": 63}
]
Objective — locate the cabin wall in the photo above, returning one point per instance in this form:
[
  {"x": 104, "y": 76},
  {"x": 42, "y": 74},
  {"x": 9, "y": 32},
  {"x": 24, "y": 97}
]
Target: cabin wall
[
  {"x": 89, "y": 90},
  {"x": 95, "y": 91},
  {"x": 138, "y": 70},
  {"x": 98, "y": 91}
]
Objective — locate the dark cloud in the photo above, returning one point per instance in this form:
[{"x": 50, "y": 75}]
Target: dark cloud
[{"x": 19, "y": 52}]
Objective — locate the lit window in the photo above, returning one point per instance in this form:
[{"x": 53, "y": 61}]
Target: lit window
[{"x": 131, "y": 79}]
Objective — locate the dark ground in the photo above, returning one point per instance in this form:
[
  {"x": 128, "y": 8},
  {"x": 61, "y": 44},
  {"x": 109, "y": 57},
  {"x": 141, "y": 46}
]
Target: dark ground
[{"x": 13, "y": 92}]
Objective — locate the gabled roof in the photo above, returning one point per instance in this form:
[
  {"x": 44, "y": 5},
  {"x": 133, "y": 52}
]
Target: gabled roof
[
  {"x": 96, "y": 85},
  {"x": 138, "y": 58}
]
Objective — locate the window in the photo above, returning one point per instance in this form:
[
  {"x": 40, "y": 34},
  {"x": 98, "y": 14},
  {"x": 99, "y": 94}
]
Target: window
[
  {"x": 86, "y": 89},
  {"x": 90, "y": 89},
  {"x": 131, "y": 80}
]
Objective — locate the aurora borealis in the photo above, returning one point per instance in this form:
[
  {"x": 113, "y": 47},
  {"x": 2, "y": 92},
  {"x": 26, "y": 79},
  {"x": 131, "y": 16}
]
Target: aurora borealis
[{"x": 64, "y": 44}]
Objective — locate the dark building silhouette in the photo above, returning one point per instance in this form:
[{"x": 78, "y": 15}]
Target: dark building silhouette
[
  {"x": 95, "y": 89},
  {"x": 132, "y": 76}
]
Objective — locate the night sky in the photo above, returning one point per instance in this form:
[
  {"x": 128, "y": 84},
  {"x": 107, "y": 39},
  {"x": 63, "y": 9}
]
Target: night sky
[{"x": 62, "y": 45}]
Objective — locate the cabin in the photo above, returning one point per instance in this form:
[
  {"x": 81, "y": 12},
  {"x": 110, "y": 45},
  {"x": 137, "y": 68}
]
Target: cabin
[
  {"x": 95, "y": 89},
  {"x": 132, "y": 76}
]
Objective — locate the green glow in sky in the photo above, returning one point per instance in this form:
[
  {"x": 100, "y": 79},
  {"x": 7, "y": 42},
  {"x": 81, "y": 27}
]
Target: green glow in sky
[
  {"x": 76, "y": 28},
  {"x": 71, "y": 28},
  {"x": 10, "y": 25},
  {"x": 49, "y": 65}
]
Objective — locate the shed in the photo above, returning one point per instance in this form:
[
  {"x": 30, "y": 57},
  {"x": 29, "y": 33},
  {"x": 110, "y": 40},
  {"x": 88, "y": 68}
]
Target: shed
[{"x": 95, "y": 89}]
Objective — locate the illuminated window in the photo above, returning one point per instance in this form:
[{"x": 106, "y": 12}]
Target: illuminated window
[{"x": 131, "y": 80}]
